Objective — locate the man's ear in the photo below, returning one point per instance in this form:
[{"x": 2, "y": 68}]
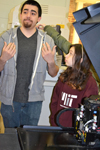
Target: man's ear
[{"x": 39, "y": 19}]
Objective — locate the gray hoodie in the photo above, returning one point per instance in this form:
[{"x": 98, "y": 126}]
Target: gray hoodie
[{"x": 9, "y": 73}]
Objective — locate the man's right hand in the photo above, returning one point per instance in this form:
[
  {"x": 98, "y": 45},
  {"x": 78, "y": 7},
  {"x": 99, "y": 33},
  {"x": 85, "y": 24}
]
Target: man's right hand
[{"x": 8, "y": 51}]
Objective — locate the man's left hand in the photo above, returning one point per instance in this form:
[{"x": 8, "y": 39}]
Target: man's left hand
[{"x": 48, "y": 54}]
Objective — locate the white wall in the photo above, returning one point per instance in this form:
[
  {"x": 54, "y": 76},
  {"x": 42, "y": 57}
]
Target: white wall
[{"x": 7, "y": 5}]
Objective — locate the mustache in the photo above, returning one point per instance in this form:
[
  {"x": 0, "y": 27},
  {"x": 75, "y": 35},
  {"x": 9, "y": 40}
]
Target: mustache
[{"x": 27, "y": 19}]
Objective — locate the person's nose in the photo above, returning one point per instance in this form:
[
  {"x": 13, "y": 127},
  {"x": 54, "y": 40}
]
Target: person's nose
[
  {"x": 66, "y": 55},
  {"x": 28, "y": 15}
]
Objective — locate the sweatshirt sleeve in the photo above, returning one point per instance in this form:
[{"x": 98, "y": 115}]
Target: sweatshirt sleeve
[
  {"x": 54, "y": 102},
  {"x": 59, "y": 40},
  {"x": 92, "y": 88}
]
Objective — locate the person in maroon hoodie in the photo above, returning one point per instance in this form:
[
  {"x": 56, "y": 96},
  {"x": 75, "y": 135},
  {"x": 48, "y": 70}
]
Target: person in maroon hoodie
[{"x": 73, "y": 85}]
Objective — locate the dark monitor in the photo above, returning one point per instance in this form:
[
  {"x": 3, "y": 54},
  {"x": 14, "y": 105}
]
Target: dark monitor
[{"x": 87, "y": 26}]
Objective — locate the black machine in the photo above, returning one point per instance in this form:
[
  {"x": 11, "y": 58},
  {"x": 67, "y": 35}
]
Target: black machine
[
  {"x": 86, "y": 122},
  {"x": 84, "y": 135}
]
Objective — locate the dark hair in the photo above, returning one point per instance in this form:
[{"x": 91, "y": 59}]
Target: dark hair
[
  {"x": 77, "y": 76},
  {"x": 34, "y": 3}
]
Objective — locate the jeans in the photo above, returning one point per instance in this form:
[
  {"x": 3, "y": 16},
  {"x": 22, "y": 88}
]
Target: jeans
[{"x": 21, "y": 114}]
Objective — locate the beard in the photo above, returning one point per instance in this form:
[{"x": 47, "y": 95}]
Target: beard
[{"x": 27, "y": 24}]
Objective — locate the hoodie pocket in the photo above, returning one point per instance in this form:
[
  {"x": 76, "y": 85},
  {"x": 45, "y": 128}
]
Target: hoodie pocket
[
  {"x": 39, "y": 77},
  {"x": 38, "y": 81},
  {"x": 7, "y": 86}
]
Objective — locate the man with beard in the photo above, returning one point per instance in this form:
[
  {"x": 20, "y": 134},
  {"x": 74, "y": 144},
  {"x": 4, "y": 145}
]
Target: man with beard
[{"x": 23, "y": 63}]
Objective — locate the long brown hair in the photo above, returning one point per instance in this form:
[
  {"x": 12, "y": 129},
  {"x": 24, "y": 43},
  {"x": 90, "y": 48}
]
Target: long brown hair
[{"x": 77, "y": 75}]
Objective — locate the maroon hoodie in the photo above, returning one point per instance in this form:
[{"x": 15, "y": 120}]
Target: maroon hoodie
[{"x": 66, "y": 97}]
